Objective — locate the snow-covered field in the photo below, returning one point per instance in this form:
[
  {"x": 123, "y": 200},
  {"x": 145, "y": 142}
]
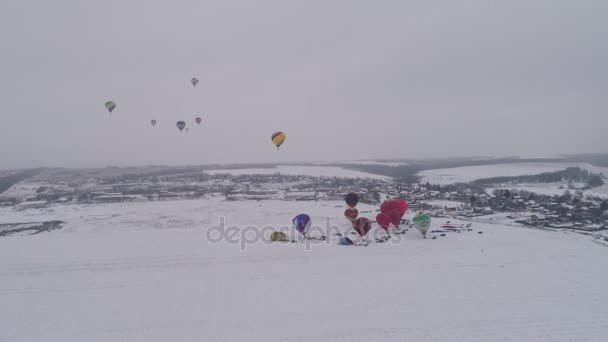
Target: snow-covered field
[
  {"x": 443, "y": 203},
  {"x": 146, "y": 272},
  {"x": 552, "y": 189},
  {"x": 314, "y": 171},
  {"x": 467, "y": 174},
  {"x": 374, "y": 162}
]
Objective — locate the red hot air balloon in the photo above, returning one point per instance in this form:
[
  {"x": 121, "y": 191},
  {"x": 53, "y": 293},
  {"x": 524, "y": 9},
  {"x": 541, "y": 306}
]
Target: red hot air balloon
[
  {"x": 198, "y": 120},
  {"x": 389, "y": 205},
  {"x": 395, "y": 217},
  {"x": 384, "y": 220},
  {"x": 351, "y": 214},
  {"x": 362, "y": 226},
  {"x": 402, "y": 206}
]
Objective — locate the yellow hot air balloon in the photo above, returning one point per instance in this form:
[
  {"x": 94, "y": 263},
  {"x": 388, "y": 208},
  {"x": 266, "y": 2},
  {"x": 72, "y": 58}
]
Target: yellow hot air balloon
[{"x": 278, "y": 138}]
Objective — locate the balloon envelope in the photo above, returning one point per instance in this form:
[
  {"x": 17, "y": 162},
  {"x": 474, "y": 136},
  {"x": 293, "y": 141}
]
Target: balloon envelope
[
  {"x": 198, "y": 120},
  {"x": 351, "y": 214},
  {"x": 362, "y": 226},
  {"x": 351, "y": 199},
  {"x": 422, "y": 222},
  {"x": 384, "y": 220},
  {"x": 302, "y": 223},
  {"x": 278, "y": 138},
  {"x": 402, "y": 206},
  {"x": 180, "y": 125},
  {"x": 194, "y": 81},
  {"x": 153, "y": 122},
  {"x": 389, "y": 205},
  {"x": 110, "y": 106},
  {"x": 395, "y": 217}
]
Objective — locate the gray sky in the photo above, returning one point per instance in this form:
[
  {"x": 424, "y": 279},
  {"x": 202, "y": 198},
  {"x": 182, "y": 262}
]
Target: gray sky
[{"x": 343, "y": 79}]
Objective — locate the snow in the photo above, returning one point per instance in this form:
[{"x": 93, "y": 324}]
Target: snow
[
  {"x": 553, "y": 189},
  {"x": 373, "y": 162},
  {"x": 147, "y": 272},
  {"x": 443, "y": 203},
  {"x": 313, "y": 171},
  {"x": 467, "y": 174}
]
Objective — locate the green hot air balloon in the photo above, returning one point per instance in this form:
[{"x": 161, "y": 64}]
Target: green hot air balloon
[
  {"x": 422, "y": 222},
  {"x": 110, "y": 106}
]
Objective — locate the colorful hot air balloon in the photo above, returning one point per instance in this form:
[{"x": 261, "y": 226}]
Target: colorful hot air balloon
[
  {"x": 302, "y": 223},
  {"x": 351, "y": 214},
  {"x": 198, "y": 120},
  {"x": 194, "y": 81},
  {"x": 110, "y": 106},
  {"x": 278, "y": 138},
  {"x": 384, "y": 220},
  {"x": 180, "y": 125},
  {"x": 153, "y": 122},
  {"x": 351, "y": 199},
  {"x": 422, "y": 222},
  {"x": 362, "y": 226}
]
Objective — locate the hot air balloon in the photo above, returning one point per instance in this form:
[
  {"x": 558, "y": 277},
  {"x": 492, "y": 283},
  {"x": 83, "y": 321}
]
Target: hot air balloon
[
  {"x": 390, "y": 205},
  {"x": 153, "y": 122},
  {"x": 278, "y": 236},
  {"x": 110, "y": 106},
  {"x": 302, "y": 223},
  {"x": 351, "y": 199},
  {"x": 402, "y": 206},
  {"x": 198, "y": 120},
  {"x": 362, "y": 226},
  {"x": 384, "y": 220},
  {"x": 395, "y": 217},
  {"x": 422, "y": 222},
  {"x": 180, "y": 125},
  {"x": 351, "y": 214},
  {"x": 278, "y": 138},
  {"x": 194, "y": 81}
]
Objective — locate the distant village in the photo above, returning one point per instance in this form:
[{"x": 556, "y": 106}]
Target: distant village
[{"x": 571, "y": 210}]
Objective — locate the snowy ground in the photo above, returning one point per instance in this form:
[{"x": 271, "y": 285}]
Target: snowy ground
[
  {"x": 467, "y": 174},
  {"x": 146, "y": 272},
  {"x": 443, "y": 203},
  {"x": 314, "y": 171},
  {"x": 552, "y": 189}
]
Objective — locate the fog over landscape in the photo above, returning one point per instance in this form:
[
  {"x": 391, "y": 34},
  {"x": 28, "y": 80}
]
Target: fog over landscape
[
  {"x": 304, "y": 171},
  {"x": 343, "y": 79}
]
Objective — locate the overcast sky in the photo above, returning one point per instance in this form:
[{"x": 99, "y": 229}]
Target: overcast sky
[{"x": 343, "y": 79}]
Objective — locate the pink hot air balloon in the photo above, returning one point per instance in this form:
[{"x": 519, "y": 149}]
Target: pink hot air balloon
[
  {"x": 384, "y": 220},
  {"x": 198, "y": 120}
]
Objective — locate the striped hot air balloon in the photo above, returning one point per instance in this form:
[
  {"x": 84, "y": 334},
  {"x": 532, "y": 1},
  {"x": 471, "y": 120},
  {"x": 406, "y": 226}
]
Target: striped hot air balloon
[{"x": 278, "y": 138}]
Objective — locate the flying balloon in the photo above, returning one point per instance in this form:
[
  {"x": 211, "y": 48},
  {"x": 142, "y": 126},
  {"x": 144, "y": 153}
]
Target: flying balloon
[
  {"x": 384, "y": 220},
  {"x": 302, "y": 223},
  {"x": 278, "y": 138},
  {"x": 180, "y": 125},
  {"x": 194, "y": 81},
  {"x": 198, "y": 120},
  {"x": 390, "y": 205},
  {"x": 362, "y": 226},
  {"x": 351, "y": 214},
  {"x": 110, "y": 106},
  {"x": 422, "y": 222},
  {"x": 153, "y": 122},
  {"x": 351, "y": 199}
]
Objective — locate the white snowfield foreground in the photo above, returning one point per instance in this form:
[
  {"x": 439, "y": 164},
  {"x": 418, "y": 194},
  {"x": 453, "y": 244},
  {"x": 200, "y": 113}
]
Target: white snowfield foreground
[{"x": 118, "y": 273}]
